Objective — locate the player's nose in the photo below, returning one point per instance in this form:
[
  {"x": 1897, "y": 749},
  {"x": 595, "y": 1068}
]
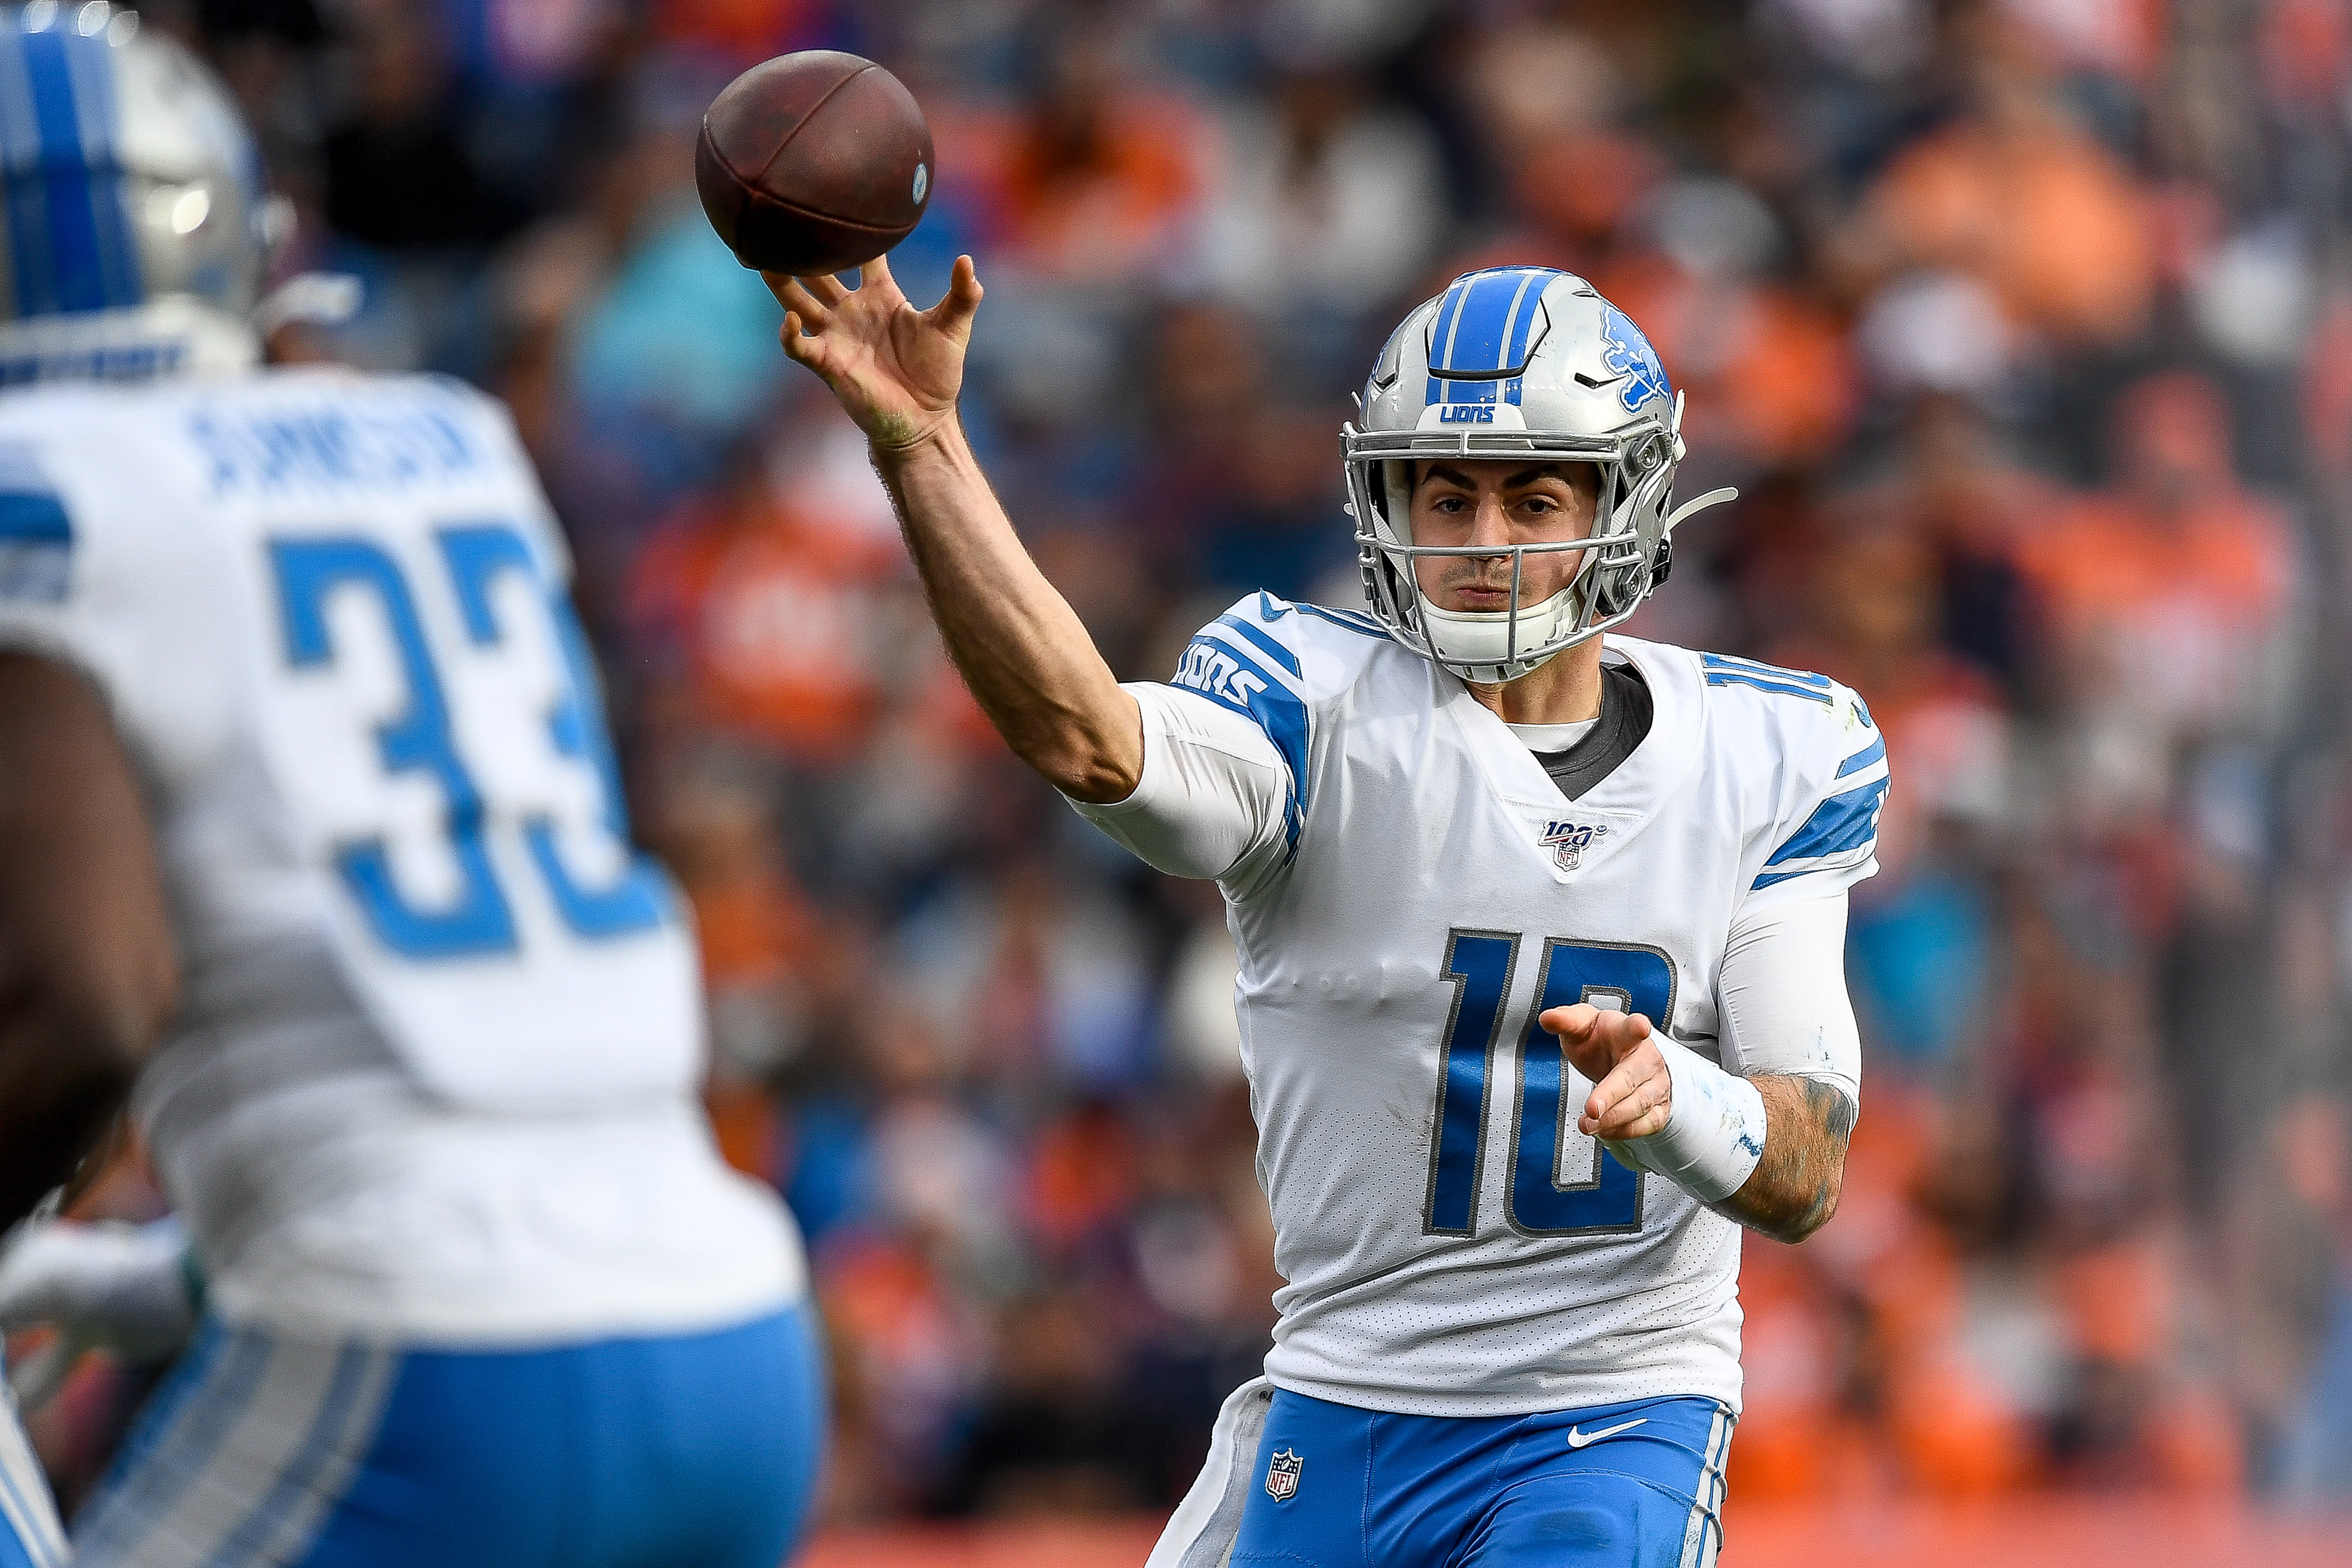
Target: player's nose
[{"x": 1490, "y": 524}]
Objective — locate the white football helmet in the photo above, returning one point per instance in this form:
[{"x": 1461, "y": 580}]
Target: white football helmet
[
  {"x": 1517, "y": 363},
  {"x": 136, "y": 228}
]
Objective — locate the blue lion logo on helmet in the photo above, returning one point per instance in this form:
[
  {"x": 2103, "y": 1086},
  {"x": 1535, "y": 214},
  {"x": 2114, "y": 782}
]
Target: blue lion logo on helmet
[{"x": 1627, "y": 353}]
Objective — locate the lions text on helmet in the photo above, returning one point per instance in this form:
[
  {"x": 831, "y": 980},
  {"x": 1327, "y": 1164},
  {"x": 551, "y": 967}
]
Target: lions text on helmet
[{"x": 1532, "y": 364}]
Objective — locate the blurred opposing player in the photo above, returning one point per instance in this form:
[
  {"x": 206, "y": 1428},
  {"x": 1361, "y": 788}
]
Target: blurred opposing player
[
  {"x": 1541, "y": 985},
  {"x": 480, "y": 1290}
]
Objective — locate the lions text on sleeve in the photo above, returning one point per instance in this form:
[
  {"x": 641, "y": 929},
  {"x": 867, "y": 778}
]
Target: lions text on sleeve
[{"x": 1452, "y": 1244}]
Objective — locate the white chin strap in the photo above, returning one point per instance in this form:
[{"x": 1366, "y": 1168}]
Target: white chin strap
[{"x": 1482, "y": 645}]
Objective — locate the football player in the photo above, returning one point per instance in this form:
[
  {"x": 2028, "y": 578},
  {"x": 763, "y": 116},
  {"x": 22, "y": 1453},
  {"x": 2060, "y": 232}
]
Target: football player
[
  {"x": 294, "y": 704},
  {"x": 1541, "y": 988}
]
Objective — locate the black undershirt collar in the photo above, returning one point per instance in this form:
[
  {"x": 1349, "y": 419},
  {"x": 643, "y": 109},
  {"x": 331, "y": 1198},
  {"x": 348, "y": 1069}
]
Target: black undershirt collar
[{"x": 1625, "y": 712}]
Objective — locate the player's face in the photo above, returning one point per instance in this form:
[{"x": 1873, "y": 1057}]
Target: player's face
[{"x": 1492, "y": 503}]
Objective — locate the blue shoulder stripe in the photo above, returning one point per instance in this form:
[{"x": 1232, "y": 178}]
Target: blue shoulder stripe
[
  {"x": 1838, "y": 824},
  {"x": 36, "y": 534},
  {"x": 35, "y": 520},
  {"x": 1734, "y": 678},
  {"x": 1361, "y": 625},
  {"x": 1231, "y": 678},
  {"x": 1270, "y": 609},
  {"x": 1863, "y": 758},
  {"x": 1771, "y": 671},
  {"x": 1272, "y": 650}
]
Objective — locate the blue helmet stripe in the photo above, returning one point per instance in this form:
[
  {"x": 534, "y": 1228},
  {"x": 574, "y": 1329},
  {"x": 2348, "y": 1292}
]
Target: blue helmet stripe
[
  {"x": 93, "y": 63},
  {"x": 89, "y": 258},
  {"x": 1484, "y": 325},
  {"x": 1478, "y": 325},
  {"x": 1494, "y": 311},
  {"x": 1447, "y": 321},
  {"x": 31, "y": 290},
  {"x": 1516, "y": 323},
  {"x": 79, "y": 277}
]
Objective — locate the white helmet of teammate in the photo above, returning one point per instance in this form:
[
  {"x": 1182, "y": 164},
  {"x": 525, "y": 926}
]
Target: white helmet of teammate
[
  {"x": 138, "y": 225},
  {"x": 1517, "y": 363}
]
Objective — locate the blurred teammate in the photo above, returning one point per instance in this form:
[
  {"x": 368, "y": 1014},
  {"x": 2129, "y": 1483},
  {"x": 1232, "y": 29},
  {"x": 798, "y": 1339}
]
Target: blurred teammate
[
  {"x": 480, "y": 1290},
  {"x": 1541, "y": 985}
]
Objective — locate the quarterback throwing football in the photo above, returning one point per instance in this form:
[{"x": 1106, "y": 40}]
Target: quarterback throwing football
[{"x": 1541, "y": 986}]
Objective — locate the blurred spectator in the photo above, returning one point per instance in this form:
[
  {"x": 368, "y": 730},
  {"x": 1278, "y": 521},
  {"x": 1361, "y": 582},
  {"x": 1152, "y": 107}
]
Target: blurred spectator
[
  {"x": 1328, "y": 206},
  {"x": 1101, "y": 172},
  {"x": 2018, "y": 195},
  {"x": 772, "y": 598},
  {"x": 399, "y": 176},
  {"x": 2179, "y": 570},
  {"x": 2314, "y": 1143}
]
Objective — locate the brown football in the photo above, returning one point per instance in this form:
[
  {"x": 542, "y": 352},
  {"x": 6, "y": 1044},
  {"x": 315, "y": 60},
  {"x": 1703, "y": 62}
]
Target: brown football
[{"x": 814, "y": 162}]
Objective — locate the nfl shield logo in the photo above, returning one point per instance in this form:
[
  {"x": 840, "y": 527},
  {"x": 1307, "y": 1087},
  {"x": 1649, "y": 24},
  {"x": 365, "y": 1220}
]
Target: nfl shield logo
[
  {"x": 1282, "y": 1475},
  {"x": 1569, "y": 840}
]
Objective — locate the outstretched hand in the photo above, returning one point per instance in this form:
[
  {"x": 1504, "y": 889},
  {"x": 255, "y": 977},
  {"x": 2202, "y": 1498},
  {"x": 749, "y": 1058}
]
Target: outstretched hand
[
  {"x": 895, "y": 369},
  {"x": 1632, "y": 1092}
]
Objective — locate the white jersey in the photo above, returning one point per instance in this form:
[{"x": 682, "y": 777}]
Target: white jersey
[
  {"x": 434, "y": 1073},
  {"x": 1408, "y": 889}
]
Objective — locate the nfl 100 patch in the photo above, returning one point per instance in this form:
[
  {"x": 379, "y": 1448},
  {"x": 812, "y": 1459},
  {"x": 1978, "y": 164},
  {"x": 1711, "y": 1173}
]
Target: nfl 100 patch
[
  {"x": 1282, "y": 1475},
  {"x": 1569, "y": 840}
]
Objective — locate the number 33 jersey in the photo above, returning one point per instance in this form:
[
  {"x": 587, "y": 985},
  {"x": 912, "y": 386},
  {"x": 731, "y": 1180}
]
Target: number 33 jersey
[
  {"x": 330, "y": 614},
  {"x": 1407, "y": 890}
]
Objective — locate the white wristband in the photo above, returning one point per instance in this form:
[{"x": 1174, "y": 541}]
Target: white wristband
[{"x": 1714, "y": 1137}]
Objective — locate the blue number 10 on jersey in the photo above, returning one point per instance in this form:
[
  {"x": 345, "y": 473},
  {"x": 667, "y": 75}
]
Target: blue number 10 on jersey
[{"x": 1603, "y": 1197}]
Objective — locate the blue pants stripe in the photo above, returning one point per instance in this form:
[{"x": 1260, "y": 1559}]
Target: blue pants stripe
[{"x": 625, "y": 1453}]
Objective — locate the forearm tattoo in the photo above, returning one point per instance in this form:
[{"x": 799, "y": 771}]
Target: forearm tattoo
[{"x": 1795, "y": 1186}]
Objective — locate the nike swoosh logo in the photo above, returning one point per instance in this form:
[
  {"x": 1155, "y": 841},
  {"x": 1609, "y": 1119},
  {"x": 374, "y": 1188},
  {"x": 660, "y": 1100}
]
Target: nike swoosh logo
[{"x": 1577, "y": 1440}]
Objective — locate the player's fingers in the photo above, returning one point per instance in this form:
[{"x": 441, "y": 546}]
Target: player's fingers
[
  {"x": 1572, "y": 1022},
  {"x": 954, "y": 311},
  {"x": 1619, "y": 1035},
  {"x": 1618, "y": 1085},
  {"x": 794, "y": 296},
  {"x": 828, "y": 290},
  {"x": 1633, "y": 1089},
  {"x": 1641, "y": 1111},
  {"x": 875, "y": 274},
  {"x": 798, "y": 346}
]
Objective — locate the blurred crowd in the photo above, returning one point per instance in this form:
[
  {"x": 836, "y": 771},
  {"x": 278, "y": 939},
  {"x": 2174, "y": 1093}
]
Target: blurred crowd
[{"x": 2024, "y": 328}]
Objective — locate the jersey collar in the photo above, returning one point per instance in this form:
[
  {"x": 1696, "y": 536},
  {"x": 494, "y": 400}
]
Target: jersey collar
[{"x": 1634, "y": 790}]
